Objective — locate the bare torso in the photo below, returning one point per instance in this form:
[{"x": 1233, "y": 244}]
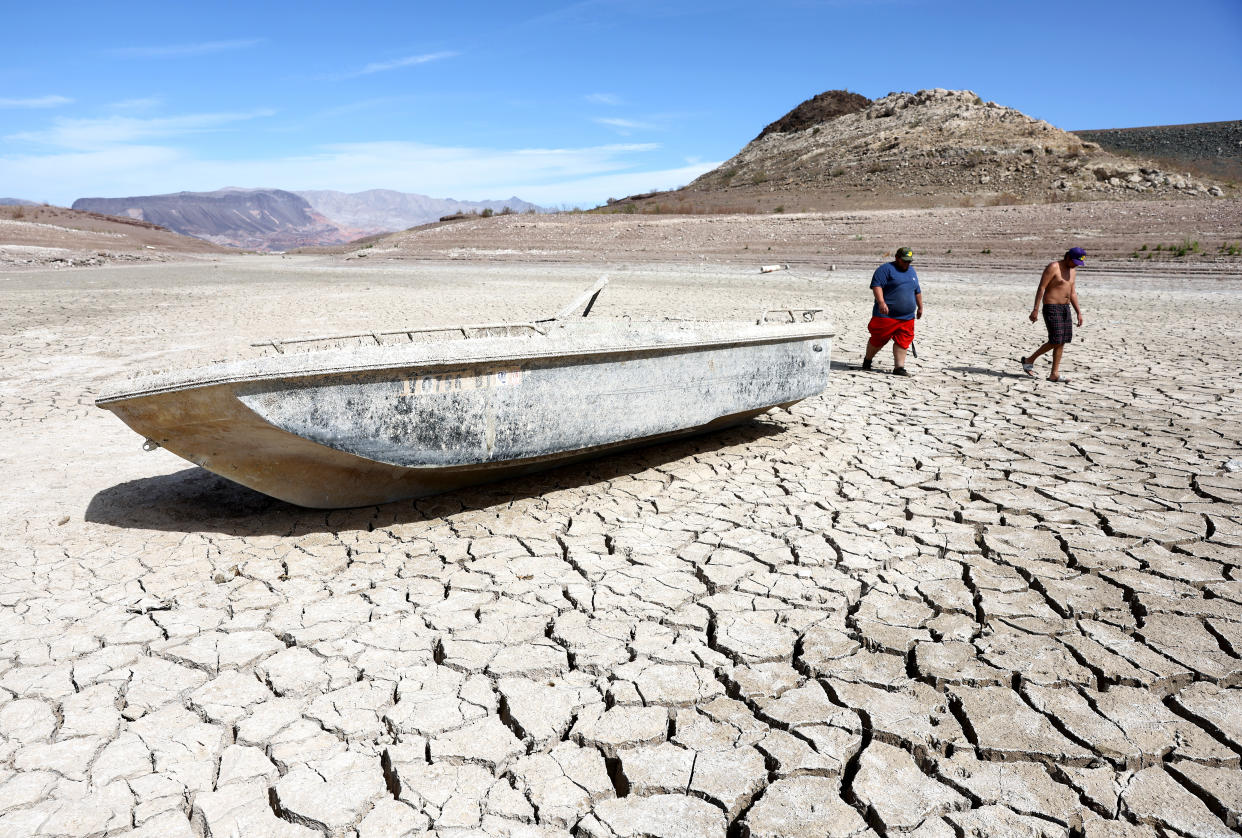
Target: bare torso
[{"x": 1058, "y": 282}]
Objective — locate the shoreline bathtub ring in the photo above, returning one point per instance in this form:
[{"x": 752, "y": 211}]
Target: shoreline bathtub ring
[{"x": 367, "y": 424}]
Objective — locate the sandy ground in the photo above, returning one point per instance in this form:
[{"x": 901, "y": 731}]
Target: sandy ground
[
  {"x": 1126, "y": 237},
  {"x": 965, "y": 603},
  {"x": 1119, "y": 236}
]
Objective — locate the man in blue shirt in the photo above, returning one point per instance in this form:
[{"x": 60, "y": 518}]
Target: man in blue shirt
[{"x": 898, "y": 302}]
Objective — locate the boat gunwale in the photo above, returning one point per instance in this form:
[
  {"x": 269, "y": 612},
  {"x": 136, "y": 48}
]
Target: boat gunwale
[{"x": 185, "y": 381}]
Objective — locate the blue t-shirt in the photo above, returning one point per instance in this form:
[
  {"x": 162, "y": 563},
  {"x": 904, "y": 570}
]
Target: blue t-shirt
[{"x": 899, "y": 289}]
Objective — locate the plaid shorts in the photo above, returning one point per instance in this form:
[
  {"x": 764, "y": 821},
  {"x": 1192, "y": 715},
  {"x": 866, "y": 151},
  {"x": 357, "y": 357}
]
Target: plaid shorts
[{"x": 1060, "y": 322}]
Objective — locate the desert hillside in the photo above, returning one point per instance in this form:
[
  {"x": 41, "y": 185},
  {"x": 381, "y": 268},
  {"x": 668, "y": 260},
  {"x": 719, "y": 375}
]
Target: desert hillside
[
  {"x": 1180, "y": 236},
  {"x": 34, "y": 236},
  {"x": 1211, "y": 149},
  {"x": 816, "y": 110},
  {"x": 256, "y": 219},
  {"x": 926, "y": 149}
]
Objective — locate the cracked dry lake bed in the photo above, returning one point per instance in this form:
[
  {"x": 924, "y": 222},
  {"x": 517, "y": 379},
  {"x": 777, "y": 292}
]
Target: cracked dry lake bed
[{"x": 967, "y": 603}]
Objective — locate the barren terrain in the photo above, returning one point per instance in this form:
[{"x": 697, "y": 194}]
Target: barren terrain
[
  {"x": 932, "y": 148},
  {"x": 1117, "y": 236},
  {"x": 1211, "y": 149},
  {"x": 45, "y": 236},
  {"x": 965, "y": 603}
]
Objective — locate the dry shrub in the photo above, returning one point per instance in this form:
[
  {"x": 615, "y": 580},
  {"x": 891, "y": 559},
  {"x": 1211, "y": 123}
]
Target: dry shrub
[
  {"x": 1003, "y": 199},
  {"x": 975, "y": 158}
]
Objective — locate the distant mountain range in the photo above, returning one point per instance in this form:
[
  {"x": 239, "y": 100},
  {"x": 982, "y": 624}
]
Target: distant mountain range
[
  {"x": 383, "y": 210},
  {"x": 276, "y": 219}
]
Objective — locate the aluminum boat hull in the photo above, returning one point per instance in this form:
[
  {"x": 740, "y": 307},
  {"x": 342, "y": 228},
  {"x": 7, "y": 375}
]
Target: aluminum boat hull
[{"x": 368, "y": 425}]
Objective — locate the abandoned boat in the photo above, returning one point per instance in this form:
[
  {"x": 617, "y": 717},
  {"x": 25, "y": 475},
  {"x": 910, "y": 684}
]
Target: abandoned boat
[{"x": 417, "y": 412}]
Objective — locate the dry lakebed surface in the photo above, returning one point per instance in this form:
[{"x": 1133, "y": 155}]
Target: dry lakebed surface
[{"x": 967, "y": 603}]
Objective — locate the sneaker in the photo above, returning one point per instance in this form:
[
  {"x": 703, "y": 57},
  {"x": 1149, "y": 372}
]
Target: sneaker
[
  {"x": 900, "y": 371},
  {"x": 866, "y": 364}
]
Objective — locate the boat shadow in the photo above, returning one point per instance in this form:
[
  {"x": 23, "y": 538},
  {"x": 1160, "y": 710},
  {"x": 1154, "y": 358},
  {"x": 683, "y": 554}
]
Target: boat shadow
[{"x": 195, "y": 500}]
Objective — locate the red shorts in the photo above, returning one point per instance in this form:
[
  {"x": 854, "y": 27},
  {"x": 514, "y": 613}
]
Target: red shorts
[{"x": 884, "y": 329}]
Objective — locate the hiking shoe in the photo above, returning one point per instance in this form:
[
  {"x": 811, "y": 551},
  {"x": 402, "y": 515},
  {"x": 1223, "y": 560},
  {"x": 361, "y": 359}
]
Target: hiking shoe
[
  {"x": 900, "y": 371},
  {"x": 866, "y": 364}
]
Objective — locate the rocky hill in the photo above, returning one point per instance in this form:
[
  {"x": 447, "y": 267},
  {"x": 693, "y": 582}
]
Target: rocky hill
[
  {"x": 926, "y": 149},
  {"x": 816, "y": 110},
  {"x": 385, "y": 211},
  {"x": 1210, "y": 149},
  {"x": 256, "y": 219}
]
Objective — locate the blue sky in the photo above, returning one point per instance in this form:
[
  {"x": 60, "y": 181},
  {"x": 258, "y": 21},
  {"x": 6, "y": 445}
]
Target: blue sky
[{"x": 560, "y": 103}]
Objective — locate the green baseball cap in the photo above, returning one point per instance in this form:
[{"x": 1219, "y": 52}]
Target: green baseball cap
[{"x": 905, "y": 254}]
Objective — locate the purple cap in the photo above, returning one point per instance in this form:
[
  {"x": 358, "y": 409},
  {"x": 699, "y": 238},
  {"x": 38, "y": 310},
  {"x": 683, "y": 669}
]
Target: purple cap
[{"x": 1076, "y": 255}]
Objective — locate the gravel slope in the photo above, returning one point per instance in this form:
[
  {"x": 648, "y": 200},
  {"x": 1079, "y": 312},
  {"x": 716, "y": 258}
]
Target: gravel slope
[{"x": 1213, "y": 149}]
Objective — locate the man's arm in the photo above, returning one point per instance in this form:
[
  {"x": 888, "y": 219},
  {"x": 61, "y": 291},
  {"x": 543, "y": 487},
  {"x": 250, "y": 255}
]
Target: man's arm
[
  {"x": 1049, "y": 275},
  {"x": 1074, "y": 302},
  {"x": 918, "y": 298},
  {"x": 879, "y": 299}
]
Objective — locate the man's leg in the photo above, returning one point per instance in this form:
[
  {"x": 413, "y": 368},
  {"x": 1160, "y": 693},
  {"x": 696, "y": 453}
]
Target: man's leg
[
  {"x": 1057, "y": 349},
  {"x": 872, "y": 348},
  {"x": 1030, "y": 359},
  {"x": 903, "y": 338}
]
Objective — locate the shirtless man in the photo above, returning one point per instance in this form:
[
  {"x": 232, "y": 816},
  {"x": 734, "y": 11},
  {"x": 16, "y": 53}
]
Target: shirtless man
[{"x": 1057, "y": 291}]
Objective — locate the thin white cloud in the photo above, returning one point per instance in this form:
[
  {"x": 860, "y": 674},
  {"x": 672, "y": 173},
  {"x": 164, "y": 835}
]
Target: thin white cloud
[
  {"x": 398, "y": 63},
  {"x": 92, "y": 134},
  {"x": 552, "y": 176},
  {"x": 37, "y": 102},
  {"x": 63, "y": 178},
  {"x": 603, "y": 98},
  {"x": 592, "y": 191},
  {"x": 455, "y": 171},
  {"x": 624, "y": 126},
  {"x": 185, "y": 50},
  {"x": 144, "y": 104}
]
